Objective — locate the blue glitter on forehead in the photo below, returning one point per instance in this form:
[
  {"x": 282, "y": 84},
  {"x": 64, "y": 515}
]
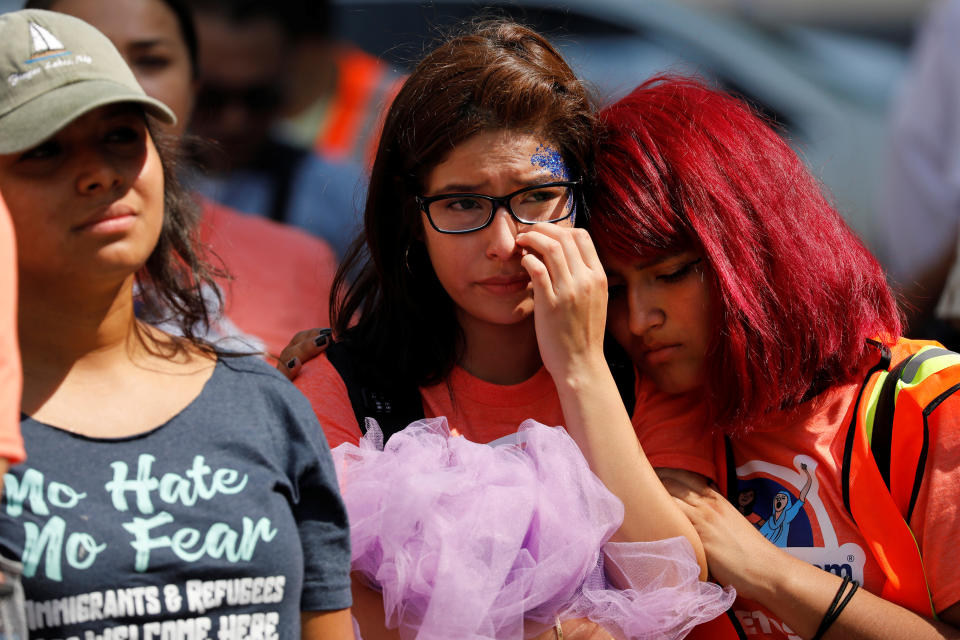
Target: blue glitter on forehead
[{"x": 548, "y": 158}]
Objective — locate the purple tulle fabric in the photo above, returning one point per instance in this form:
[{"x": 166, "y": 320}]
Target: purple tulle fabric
[{"x": 473, "y": 541}]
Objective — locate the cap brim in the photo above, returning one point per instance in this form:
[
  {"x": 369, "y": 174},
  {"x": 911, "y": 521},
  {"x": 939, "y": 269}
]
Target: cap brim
[{"x": 35, "y": 121}]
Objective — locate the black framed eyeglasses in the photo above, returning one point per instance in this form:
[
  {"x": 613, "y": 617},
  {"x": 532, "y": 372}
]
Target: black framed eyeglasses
[{"x": 466, "y": 212}]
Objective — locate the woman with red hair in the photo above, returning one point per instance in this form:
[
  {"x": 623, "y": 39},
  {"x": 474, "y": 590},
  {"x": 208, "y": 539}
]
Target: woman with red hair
[{"x": 734, "y": 280}]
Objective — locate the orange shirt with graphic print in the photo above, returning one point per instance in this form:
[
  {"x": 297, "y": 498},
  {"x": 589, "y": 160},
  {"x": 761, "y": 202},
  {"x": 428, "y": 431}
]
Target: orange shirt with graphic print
[{"x": 770, "y": 463}]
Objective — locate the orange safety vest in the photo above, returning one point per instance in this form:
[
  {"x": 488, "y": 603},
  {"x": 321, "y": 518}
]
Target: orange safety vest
[
  {"x": 885, "y": 454},
  {"x": 365, "y": 88}
]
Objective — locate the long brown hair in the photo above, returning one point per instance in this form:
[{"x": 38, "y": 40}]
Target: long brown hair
[
  {"x": 497, "y": 75},
  {"x": 180, "y": 269}
]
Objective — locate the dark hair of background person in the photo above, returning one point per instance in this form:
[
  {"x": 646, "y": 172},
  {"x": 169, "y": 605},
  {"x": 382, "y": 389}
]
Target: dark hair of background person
[
  {"x": 180, "y": 8},
  {"x": 795, "y": 294},
  {"x": 299, "y": 18},
  {"x": 496, "y": 75}
]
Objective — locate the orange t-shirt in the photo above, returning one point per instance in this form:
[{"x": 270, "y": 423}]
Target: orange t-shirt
[
  {"x": 669, "y": 427},
  {"x": 281, "y": 275},
  {"x": 480, "y": 411},
  {"x": 672, "y": 429},
  {"x": 809, "y": 520},
  {"x": 11, "y": 376}
]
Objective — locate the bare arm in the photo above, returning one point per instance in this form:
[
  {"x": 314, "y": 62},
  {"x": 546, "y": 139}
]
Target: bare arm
[
  {"x": 797, "y": 592},
  {"x": 570, "y": 297},
  {"x": 368, "y": 609},
  {"x": 801, "y": 594},
  {"x": 326, "y": 625},
  {"x": 806, "y": 485}
]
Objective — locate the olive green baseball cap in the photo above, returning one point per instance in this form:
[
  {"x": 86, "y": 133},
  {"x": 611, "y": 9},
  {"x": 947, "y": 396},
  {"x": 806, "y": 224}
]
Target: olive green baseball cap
[{"x": 53, "y": 69}]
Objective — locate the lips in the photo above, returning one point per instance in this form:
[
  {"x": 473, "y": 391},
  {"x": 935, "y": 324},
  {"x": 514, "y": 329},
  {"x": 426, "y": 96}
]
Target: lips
[
  {"x": 111, "y": 218},
  {"x": 506, "y": 283},
  {"x": 659, "y": 353}
]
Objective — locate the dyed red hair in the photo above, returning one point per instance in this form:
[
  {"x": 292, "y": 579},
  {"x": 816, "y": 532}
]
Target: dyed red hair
[{"x": 796, "y": 294}]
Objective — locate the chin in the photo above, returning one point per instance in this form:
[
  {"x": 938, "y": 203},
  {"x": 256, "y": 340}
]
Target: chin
[
  {"x": 502, "y": 316},
  {"x": 672, "y": 383}
]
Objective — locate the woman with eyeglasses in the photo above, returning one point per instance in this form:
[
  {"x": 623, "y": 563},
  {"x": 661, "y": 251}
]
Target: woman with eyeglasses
[{"x": 477, "y": 293}]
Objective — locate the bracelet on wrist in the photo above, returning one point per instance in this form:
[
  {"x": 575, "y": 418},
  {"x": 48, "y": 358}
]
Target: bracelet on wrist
[{"x": 839, "y": 602}]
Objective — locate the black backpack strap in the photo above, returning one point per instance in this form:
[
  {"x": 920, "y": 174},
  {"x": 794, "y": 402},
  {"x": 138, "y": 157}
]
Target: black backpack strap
[
  {"x": 882, "y": 438},
  {"x": 623, "y": 371},
  {"x": 392, "y": 403},
  {"x": 881, "y": 442},
  {"x": 882, "y": 365},
  {"x": 737, "y": 627},
  {"x": 281, "y": 162},
  {"x": 730, "y": 471}
]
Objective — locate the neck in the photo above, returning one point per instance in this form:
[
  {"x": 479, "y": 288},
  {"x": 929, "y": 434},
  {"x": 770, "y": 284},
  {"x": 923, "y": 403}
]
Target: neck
[
  {"x": 63, "y": 326},
  {"x": 501, "y": 354}
]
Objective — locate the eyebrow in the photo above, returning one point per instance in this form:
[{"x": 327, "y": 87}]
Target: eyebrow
[
  {"x": 646, "y": 265},
  {"x": 460, "y": 187},
  {"x": 121, "y": 109},
  {"x": 651, "y": 263},
  {"x": 148, "y": 44}
]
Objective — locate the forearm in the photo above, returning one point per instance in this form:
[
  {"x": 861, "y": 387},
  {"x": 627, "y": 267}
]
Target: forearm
[
  {"x": 800, "y": 594},
  {"x": 326, "y": 625},
  {"x": 368, "y": 610},
  {"x": 597, "y": 420}
]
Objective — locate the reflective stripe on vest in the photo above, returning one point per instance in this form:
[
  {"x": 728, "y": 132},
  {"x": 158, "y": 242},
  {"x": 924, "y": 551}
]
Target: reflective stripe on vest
[
  {"x": 365, "y": 88},
  {"x": 884, "y": 462}
]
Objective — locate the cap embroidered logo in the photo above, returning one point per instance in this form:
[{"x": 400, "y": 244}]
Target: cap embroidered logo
[{"x": 45, "y": 44}]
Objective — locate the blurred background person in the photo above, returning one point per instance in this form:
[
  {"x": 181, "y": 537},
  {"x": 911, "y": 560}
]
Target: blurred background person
[
  {"x": 919, "y": 210},
  {"x": 246, "y": 53},
  {"x": 11, "y": 445},
  {"x": 339, "y": 92},
  {"x": 269, "y": 264}
]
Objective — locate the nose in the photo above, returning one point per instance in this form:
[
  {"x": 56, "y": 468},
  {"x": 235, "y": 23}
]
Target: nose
[
  {"x": 96, "y": 173},
  {"x": 502, "y": 235},
  {"x": 644, "y": 311}
]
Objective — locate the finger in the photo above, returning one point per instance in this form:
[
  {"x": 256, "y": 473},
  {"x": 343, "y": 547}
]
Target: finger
[
  {"x": 543, "y": 289},
  {"x": 580, "y": 255},
  {"x": 305, "y": 346},
  {"x": 681, "y": 490},
  {"x": 305, "y": 335},
  {"x": 555, "y": 251},
  {"x": 299, "y": 338},
  {"x": 692, "y": 480},
  {"x": 588, "y": 250},
  {"x": 290, "y": 368}
]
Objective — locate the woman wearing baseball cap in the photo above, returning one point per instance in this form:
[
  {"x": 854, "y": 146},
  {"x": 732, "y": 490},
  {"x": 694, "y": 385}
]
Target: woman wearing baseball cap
[{"x": 168, "y": 486}]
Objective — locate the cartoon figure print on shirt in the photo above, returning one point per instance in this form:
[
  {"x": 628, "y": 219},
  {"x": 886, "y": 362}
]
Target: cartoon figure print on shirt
[
  {"x": 784, "y": 505},
  {"x": 776, "y": 528},
  {"x": 746, "y": 499}
]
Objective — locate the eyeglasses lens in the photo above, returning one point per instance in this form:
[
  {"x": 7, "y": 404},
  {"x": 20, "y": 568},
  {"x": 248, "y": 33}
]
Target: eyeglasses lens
[{"x": 544, "y": 204}]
